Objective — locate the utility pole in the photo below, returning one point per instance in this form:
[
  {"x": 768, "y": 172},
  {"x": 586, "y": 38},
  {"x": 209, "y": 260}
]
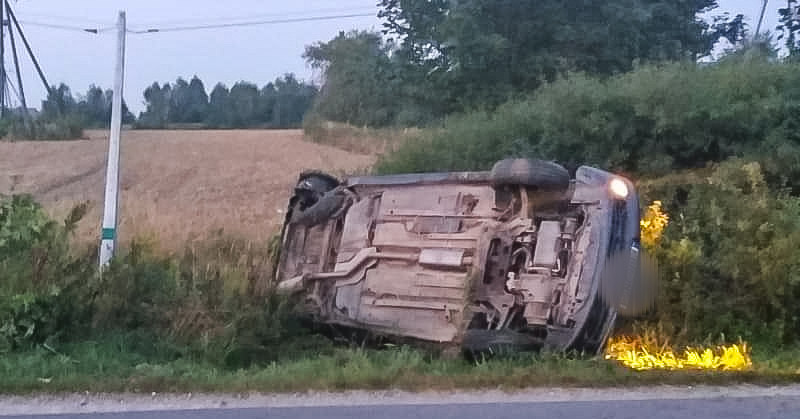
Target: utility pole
[
  {"x": 16, "y": 68},
  {"x": 109, "y": 236},
  {"x": 13, "y": 18},
  {"x": 8, "y": 21},
  {"x": 761, "y": 19}
]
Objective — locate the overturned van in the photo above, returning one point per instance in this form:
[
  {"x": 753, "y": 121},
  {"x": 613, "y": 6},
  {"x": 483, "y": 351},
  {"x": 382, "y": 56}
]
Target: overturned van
[{"x": 508, "y": 258}]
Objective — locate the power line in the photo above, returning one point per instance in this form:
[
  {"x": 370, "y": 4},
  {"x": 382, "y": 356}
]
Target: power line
[
  {"x": 214, "y": 24},
  {"x": 83, "y": 22},
  {"x": 249, "y": 23},
  {"x": 284, "y": 15},
  {"x": 88, "y": 22},
  {"x": 65, "y": 27}
]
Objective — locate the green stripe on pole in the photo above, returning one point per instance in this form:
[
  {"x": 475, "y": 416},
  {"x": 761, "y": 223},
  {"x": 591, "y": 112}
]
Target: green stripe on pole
[{"x": 109, "y": 233}]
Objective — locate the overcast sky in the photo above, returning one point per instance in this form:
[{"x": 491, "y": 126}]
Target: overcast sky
[{"x": 258, "y": 54}]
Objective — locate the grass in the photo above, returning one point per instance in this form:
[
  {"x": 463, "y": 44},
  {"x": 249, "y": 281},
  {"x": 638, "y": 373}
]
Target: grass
[
  {"x": 130, "y": 363},
  {"x": 360, "y": 140}
]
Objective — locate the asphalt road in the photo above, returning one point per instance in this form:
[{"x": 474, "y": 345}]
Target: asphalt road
[{"x": 778, "y": 407}]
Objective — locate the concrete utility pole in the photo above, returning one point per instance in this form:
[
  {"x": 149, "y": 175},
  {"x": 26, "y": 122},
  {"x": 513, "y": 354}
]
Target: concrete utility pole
[{"x": 109, "y": 238}]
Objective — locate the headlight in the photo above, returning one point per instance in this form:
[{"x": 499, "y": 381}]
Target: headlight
[{"x": 618, "y": 188}]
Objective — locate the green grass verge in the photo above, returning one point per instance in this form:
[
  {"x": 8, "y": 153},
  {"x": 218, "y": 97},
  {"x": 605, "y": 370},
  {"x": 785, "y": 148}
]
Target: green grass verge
[{"x": 129, "y": 364}]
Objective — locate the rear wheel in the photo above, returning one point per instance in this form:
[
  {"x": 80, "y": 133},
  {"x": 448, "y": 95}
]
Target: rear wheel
[
  {"x": 316, "y": 197},
  {"x": 321, "y": 210},
  {"x": 312, "y": 185}
]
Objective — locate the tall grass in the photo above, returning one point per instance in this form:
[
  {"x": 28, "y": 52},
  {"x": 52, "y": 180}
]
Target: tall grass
[
  {"x": 215, "y": 296},
  {"x": 362, "y": 140}
]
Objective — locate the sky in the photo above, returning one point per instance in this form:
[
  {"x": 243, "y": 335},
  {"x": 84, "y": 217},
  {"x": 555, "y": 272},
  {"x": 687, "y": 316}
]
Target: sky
[{"x": 258, "y": 53}]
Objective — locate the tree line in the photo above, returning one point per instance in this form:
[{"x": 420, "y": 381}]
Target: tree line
[
  {"x": 92, "y": 109},
  {"x": 279, "y": 104},
  {"x": 63, "y": 115},
  {"x": 438, "y": 57}
]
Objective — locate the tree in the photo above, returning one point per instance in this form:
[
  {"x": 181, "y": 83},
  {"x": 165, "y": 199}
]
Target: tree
[
  {"x": 292, "y": 99},
  {"x": 790, "y": 27},
  {"x": 179, "y": 101},
  {"x": 360, "y": 78},
  {"x": 157, "y": 99},
  {"x": 243, "y": 105},
  {"x": 197, "y": 101},
  {"x": 188, "y": 102},
  {"x": 59, "y": 102},
  {"x": 218, "y": 107},
  {"x": 267, "y": 102},
  {"x": 96, "y": 107},
  {"x": 488, "y": 50},
  {"x": 127, "y": 116}
]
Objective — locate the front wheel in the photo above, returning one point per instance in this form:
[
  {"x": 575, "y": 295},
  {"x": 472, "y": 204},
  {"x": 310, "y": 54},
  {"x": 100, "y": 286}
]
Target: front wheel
[{"x": 540, "y": 174}]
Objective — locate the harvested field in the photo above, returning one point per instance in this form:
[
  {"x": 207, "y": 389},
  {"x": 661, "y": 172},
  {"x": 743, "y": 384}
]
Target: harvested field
[{"x": 176, "y": 185}]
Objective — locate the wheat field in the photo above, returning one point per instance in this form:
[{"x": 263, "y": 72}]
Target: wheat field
[{"x": 175, "y": 186}]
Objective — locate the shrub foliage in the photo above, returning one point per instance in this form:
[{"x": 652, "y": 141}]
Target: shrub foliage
[
  {"x": 216, "y": 297},
  {"x": 729, "y": 258},
  {"x": 649, "y": 121}
]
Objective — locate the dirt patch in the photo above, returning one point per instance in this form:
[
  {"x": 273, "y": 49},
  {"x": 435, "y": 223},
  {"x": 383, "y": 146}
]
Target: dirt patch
[{"x": 175, "y": 184}]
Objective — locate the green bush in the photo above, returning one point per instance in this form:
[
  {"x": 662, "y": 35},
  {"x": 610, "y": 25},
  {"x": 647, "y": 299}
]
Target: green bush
[
  {"x": 215, "y": 295},
  {"x": 215, "y": 298},
  {"x": 730, "y": 257},
  {"x": 652, "y": 120},
  {"x": 43, "y": 286},
  {"x": 136, "y": 291},
  {"x": 5, "y": 127}
]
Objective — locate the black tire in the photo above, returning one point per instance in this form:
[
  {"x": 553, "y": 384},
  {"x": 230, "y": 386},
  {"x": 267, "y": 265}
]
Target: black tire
[
  {"x": 541, "y": 174},
  {"x": 317, "y": 182},
  {"x": 319, "y": 211},
  {"x": 478, "y": 341},
  {"x": 311, "y": 188}
]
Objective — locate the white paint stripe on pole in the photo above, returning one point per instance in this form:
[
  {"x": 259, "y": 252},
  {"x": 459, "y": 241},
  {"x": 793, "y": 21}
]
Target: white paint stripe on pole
[{"x": 109, "y": 236}]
